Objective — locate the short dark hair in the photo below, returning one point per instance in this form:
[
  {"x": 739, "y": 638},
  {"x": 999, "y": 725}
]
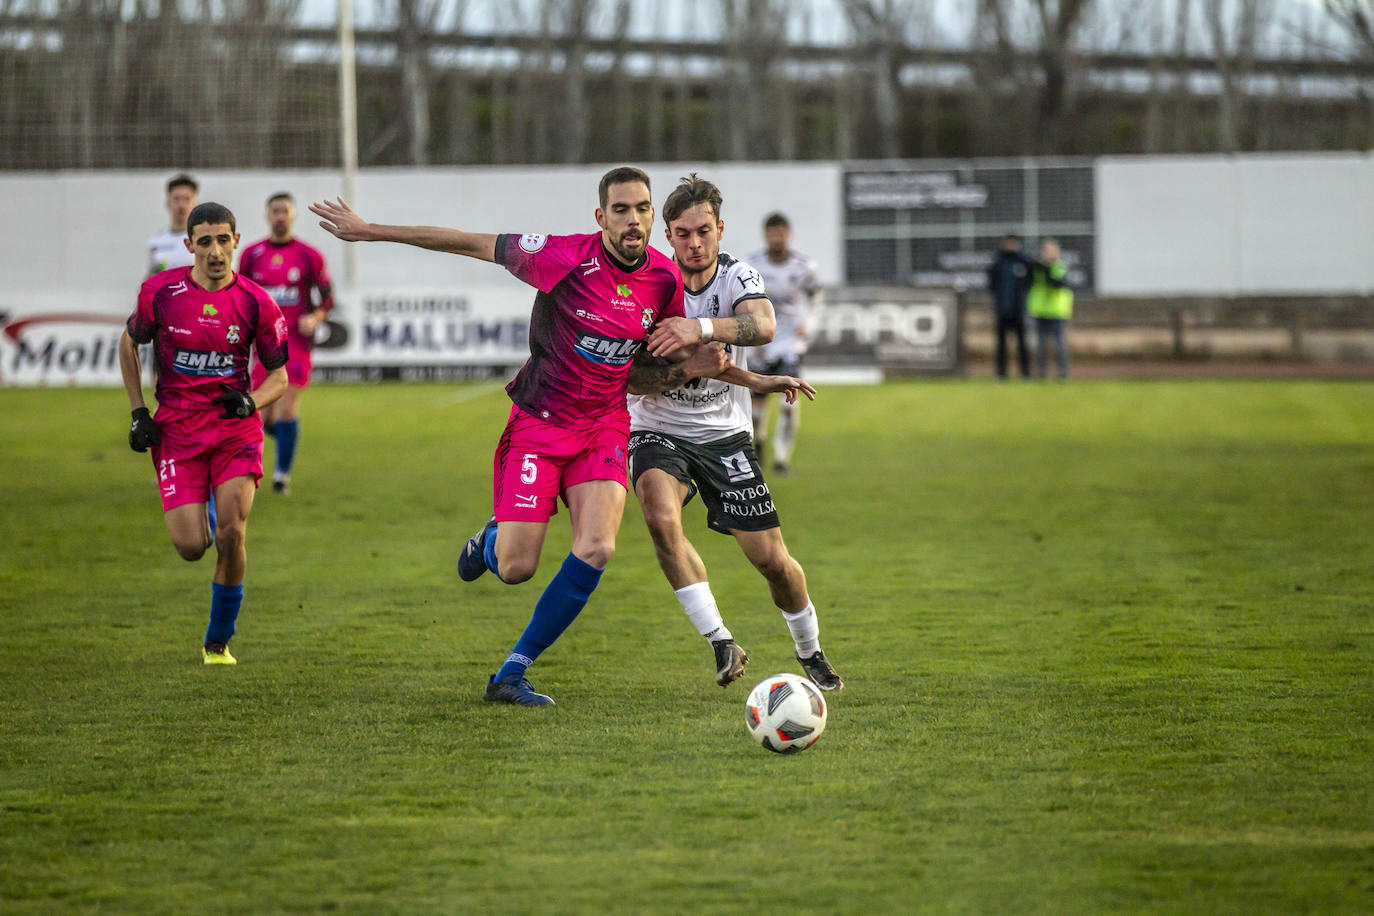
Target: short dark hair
[
  {"x": 183, "y": 181},
  {"x": 689, "y": 192},
  {"x": 210, "y": 213},
  {"x": 624, "y": 174},
  {"x": 776, "y": 219},
  {"x": 281, "y": 195},
  {"x": 1011, "y": 237}
]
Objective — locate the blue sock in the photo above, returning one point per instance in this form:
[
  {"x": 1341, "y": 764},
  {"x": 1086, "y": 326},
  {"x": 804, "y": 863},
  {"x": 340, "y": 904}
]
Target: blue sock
[
  {"x": 287, "y": 431},
  {"x": 489, "y": 552},
  {"x": 559, "y": 606},
  {"x": 224, "y": 611},
  {"x": 211, "y": 515}
]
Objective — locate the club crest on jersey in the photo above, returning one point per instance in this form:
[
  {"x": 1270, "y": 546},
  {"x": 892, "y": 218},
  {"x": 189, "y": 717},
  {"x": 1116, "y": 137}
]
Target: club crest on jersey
[
  {"x": 532, "y": 242},
  {"x": 231, "y": 334},
  {"x": 293, "y": 275},
  {"x": 646, "y": 320}
]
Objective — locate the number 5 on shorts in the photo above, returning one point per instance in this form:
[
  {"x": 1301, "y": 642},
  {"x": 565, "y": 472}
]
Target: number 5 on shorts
[{"x": 528, "y": 469}]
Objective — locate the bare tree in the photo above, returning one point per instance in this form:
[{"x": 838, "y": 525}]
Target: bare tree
[
  {"x": 574, "y": 19},
  {"x": 1234, "y": 29},
  {"x": 415, "y": 21},
  {"x": 1182, "y": 95},
  {"x": 622, "y": 130},
  {"x": 880, "y": 31},
  {"x": 1058, "y": 21},
  {"x": 997, "y": 101},
  {"x": 459, "y": 99},
  {"x": 1355, "y": 20},
  {"x": 761, "y": 121}
]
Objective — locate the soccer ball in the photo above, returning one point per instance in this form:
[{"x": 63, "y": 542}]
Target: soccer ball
[{"x": 785, "y": 713}]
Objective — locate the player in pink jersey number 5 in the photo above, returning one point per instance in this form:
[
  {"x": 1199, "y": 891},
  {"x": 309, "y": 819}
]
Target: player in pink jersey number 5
[
  {"x": 203, "y": 322},
  {"x": 599, "y": 295}
]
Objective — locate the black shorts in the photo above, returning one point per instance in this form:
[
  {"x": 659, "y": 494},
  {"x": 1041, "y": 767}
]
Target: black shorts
[
  {"x": 725, "y": 472},
  {"x": 791, "y": 366}
]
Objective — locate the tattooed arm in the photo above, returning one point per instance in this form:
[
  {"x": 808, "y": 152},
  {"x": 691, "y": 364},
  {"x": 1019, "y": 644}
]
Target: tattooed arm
[
  {"x": 752, "y": 326},
  {"x": 655, "y": 375}
]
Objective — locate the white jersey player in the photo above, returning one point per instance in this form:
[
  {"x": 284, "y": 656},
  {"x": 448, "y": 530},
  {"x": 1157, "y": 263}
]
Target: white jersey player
[
  {"x": 796, "y": 293},
  {"x": 706, "y": 409},
  {"x": 168, "y": 249},
  {"x": 696, "y": 437}
]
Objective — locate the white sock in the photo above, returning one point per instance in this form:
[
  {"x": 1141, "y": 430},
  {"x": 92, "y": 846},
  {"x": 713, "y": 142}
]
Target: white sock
[
  {"x": 806, "y": 631},
  {"x": 785, "y": 436},
  {"x": 700, "y": 605}
]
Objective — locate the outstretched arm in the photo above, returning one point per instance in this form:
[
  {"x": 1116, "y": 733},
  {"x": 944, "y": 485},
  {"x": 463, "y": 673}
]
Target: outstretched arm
[
  {"x": 785, "y": 385},
  {"x": 340, "y": 221}
]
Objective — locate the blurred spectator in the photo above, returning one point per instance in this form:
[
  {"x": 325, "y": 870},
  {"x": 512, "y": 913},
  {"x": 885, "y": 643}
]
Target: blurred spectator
[
  {"x": 1009, "y": 279},
  {"x": 1050, "y": 303}
]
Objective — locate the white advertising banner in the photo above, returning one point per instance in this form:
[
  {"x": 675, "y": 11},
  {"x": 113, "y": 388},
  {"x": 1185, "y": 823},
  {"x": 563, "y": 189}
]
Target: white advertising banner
[
  {"x": 62, "y": 338},
  {"x": 73, "y": 338},
  {"x": 419, "y": 334},
  {"x": 433, "y": 334}
]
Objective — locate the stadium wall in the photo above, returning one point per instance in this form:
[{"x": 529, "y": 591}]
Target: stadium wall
[
  {"x": 1235, "y": 226},
  {"x": 72, "y": 252}
]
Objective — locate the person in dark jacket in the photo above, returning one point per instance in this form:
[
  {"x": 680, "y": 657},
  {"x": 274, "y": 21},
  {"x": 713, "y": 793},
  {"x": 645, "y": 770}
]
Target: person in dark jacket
[{"x": 1009, "y": 278}]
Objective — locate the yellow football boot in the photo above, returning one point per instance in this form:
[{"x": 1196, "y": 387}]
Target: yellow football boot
[{"x": 217, "y": 653}]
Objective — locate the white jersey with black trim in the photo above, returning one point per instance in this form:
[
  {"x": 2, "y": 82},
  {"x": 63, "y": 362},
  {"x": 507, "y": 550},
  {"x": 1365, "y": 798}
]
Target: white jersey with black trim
[
  {"x": 166, "y": 250},
  {"x": 794, "y": 287},
  {"x": 704, "y": 409}
]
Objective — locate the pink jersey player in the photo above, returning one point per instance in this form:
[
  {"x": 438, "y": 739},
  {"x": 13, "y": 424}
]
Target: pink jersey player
[
  {"x": 203, "y": 339},
  {"x": 599, "y": 297},
  {"x": 590, "y": 317},
  {"x": 290, "y": 271},
  {"x": 205, "y": 322}
]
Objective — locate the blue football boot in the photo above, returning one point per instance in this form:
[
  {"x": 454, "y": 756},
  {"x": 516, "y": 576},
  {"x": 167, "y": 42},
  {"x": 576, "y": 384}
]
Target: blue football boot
[
  {"x": 519, "y": 692},
  {"x": 471, "y": 562}
]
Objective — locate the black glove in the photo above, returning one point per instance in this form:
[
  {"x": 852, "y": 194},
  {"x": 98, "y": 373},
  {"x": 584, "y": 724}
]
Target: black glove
[
  {"x": 143, "y": 432},
  {"x": 236, "y": 404}
]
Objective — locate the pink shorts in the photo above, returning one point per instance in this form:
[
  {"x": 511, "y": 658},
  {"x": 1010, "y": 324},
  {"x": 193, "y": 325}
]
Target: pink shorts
[
  {"x": 198, "y": 452},
  {"x": 536, "y": 462},
  {"x": 298, "y": 366}
]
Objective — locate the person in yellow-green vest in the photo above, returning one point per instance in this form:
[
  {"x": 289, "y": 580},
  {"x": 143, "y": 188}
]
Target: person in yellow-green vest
[{"x": 1050, "y": 303}]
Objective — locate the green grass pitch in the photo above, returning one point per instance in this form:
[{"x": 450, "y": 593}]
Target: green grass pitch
[{"x": 1109, "y": 647}]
